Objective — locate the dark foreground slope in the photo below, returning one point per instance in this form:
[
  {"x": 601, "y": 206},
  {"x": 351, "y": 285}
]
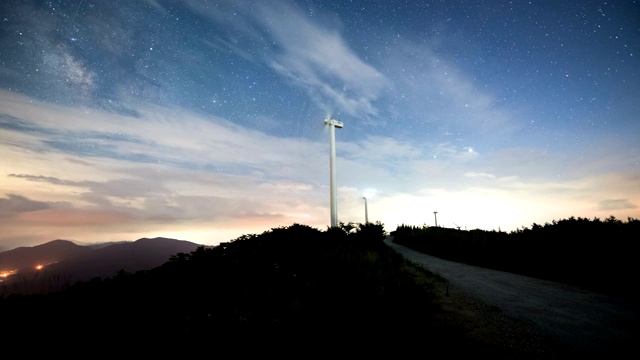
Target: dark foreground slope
[
  {"x": 296, "y": 291},
  {"x": 288, "y": 288}
]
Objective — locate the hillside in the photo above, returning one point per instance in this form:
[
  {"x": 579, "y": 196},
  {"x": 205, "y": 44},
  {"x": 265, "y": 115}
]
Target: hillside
[
  {"x": 62, "y": 263},
  {"x": 44, "y": 254},
  {"x": 281, "y": 292}
]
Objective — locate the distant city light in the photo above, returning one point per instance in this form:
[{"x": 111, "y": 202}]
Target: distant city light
[{"x": 7, "y": 273}]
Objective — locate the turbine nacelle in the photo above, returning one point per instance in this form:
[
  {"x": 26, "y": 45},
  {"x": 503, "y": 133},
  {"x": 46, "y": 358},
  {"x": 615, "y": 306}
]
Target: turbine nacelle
[{"x": 336, "y": 123}]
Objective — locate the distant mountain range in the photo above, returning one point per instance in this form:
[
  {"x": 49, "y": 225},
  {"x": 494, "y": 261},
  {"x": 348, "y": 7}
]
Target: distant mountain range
[{"x": 58, "y": 264}]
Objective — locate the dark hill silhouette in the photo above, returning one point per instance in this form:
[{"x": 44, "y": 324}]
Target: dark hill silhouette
[
  {"x": 294, "y": 291},
  {"x": 290, "y": 291},
  {"x": 142, "y": 254},
  {"x": 47, "y": 253},
  {"x": 66, "y": 263},
  {"x": 598, "y": 255}
]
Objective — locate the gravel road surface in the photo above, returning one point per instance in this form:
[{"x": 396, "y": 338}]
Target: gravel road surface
[{"x": 565, "y": 321}]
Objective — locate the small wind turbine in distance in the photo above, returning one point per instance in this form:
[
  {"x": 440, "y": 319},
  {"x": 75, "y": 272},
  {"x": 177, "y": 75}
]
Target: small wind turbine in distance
[
  {"x": 458, "y": 226},
  {"x": 366, "y": 211},
  {"x": 367, "y": 194}
]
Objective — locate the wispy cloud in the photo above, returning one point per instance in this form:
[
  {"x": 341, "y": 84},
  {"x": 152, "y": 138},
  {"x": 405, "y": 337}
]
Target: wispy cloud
[
  {"x": 16, "y": 204},
  {"x": 616, "y": 204},
  {"x": 318, "y": 59},
  {"x": 433, "y": 92},
  {"x": 310, "y": 54}
]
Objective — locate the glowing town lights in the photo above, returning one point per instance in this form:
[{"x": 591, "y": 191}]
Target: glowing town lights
[{"x": 5, "y": 274}]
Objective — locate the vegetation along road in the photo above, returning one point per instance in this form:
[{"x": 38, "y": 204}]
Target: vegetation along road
[{"x": 558, "y": 320}]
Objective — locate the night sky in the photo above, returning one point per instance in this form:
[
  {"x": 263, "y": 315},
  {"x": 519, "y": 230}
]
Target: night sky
[{"x": 204, "y": 120}]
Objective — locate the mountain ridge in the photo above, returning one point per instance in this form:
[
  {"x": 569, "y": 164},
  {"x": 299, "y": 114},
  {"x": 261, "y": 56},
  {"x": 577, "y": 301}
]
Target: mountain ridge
[
  {"x": 49, "y": 252},
  {"x": 57, "y": 264}
]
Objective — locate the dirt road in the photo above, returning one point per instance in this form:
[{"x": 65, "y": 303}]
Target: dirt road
[{"x": 558, "y": 320}]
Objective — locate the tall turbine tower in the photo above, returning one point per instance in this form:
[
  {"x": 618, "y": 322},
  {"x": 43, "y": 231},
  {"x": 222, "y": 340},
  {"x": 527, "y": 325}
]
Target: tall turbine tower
[{"x": 333, "y": 124}]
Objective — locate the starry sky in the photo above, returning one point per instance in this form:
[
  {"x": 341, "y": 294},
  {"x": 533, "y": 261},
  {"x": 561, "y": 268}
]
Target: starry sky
[{"x": 204, "y": 120}]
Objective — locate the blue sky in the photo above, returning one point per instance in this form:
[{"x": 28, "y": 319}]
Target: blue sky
[{"x": 204, "y": 121}]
